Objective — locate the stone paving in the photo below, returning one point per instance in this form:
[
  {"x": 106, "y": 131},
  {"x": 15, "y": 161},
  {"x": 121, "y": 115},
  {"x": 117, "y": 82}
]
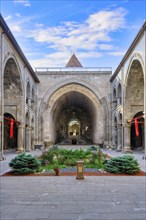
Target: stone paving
[{"x": 65, "y": 198}]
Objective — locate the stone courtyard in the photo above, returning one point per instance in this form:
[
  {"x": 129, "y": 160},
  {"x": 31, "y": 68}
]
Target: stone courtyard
[
  {"x": 65, "y": 198},
  {"x": 72, "y": 105}
]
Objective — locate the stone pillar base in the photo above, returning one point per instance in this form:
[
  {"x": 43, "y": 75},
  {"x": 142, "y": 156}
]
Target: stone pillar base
[
  {"x": 127, "y": 150},
  {"x": 2, "y": 157},
  {"x": 119, "y": 148},
  {"x": 20, "y": 150},
  {"x": 28, "y": 150},
  {"x": 48, "y": 143}
]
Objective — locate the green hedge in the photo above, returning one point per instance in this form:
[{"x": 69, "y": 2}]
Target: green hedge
[
  {"x": 126, "y": 164},
  {"x": 24, "y": 164}
]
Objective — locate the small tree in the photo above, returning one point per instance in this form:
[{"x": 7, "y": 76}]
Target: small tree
[
  {"x": 24, "y": 164},
  {"x": 124, "y": 164}
]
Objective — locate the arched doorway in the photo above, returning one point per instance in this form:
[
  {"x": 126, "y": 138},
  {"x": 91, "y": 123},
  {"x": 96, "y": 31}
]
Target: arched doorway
[
  {"x": 13, "y": 98},
  {"x": 9, "y": 142},
  {"x": 74, "y": 130},
  {"x": 134, "y": 101},
  {"x": 137, "y": 141},
  {"x": 74, "y": 119},
  {"x": 74, "y": 102}
]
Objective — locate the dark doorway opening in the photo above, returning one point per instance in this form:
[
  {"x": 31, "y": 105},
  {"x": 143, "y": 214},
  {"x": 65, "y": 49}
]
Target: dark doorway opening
[
  {"x": 74, "y": 141},
  {"x": 9, "y": 143},
  {"x": 137, "y": 142}
]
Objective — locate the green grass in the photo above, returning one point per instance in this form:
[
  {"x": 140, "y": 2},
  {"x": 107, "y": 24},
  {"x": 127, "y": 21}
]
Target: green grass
[{"x": 63, "y": 158}]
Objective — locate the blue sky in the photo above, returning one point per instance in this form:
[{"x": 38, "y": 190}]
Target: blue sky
[{"x": 99, "y": 32}]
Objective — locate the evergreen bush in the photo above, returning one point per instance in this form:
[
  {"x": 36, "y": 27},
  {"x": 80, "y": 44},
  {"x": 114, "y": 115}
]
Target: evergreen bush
[
  {"x": 126, "y": 164},
  {"x": 24, "y": 164}
]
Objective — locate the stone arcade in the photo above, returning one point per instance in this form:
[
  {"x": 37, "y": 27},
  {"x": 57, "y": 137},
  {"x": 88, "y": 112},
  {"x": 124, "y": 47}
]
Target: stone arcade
[{"x": 72, "y": 104}]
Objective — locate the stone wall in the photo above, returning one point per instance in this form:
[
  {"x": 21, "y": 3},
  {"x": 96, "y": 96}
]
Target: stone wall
[{"x": 93, "y": 85}]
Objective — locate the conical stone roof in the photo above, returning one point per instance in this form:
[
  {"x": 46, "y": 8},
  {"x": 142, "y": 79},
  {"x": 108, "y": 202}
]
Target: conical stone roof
[{"x": 74, "y": 62}]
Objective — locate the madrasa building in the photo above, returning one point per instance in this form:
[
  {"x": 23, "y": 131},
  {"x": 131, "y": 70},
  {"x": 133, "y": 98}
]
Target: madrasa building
[{"x": 72, "y": 105}]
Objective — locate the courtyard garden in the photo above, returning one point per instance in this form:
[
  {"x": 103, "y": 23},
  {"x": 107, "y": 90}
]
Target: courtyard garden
[{"x": 56, "y": 161}]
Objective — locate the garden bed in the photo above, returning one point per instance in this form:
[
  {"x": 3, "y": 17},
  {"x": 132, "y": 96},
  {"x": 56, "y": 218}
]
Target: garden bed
[
  {"x": 74, "y": 173},
  {"x": 63, "y": 162}
]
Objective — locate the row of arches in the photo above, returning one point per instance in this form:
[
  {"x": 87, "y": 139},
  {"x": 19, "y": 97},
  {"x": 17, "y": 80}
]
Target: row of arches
[
  {"x": 14, "y": 92},
  {"x": 132, "y": 107},
  {"x": 80, "y": 102}
]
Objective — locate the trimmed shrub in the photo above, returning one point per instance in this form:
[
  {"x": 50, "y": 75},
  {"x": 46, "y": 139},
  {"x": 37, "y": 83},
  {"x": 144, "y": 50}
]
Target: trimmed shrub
[
  {"x": 126, "y": 164},
  {"x": 24, "y": 164}
]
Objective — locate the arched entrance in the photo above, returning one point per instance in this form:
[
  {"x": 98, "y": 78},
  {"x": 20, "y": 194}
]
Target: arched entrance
[
  {"x": 9, "y": 142},
  {"x": 74, "y": 119},
  {"x": 137, "y": 141},
  {"x": 13, "y": 99},
  {"x": 74, "y": 130},
  {"x": 134, "y": 101},
  {"x": 74, "y": 103}
]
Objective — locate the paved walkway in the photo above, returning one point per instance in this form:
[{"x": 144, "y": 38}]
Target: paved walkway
[{"x": 66, "y": 198}]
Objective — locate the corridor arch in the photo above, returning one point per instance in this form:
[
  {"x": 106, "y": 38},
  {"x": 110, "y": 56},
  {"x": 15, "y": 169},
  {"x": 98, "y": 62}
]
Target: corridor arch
[
  {"x": 134, "y": 96},
  {"x": 13, "y": 95},
  {"x": 70, "y": 91}
]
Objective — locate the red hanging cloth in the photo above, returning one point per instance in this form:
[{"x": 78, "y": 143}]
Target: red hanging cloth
[
  {"x": 136, "y": 127},
  {"x": 11, "y": 128}
]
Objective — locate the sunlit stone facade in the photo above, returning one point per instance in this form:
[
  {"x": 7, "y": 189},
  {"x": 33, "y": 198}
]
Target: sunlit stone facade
[{"x": 71, "y": 105}]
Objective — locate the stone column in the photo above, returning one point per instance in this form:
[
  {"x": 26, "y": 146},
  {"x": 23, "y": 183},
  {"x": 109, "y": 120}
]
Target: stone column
[
  {"x": 1, "y": 147},
  {"x": 20, "y": 138},
  {"x": 32, "y": 138},
  {"x": 119, "y": 138},
  {"x": 114, "y": 138},
  {"x": 127, "y": 147},
  {"x": 28, "y": 139}
]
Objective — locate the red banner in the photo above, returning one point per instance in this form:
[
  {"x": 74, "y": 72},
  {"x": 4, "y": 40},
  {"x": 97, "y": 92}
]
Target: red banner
[
  {"x": 136, "y": 126},
  {"x": 11, "y": 128}
]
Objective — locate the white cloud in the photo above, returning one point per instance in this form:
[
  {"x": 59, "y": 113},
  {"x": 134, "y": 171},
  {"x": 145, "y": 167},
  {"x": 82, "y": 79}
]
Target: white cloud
[
  {"x": 88, "y": 39},
  {"x": 86, "y": 35},
  {"x": 60, "y": 59},
  {"x": 25, "y": 3},
  {"x": 18, "y": 15},
  {"x": 105, "y": 46},
  {"x": 117, "y": 53},
  {"x": 18, "y": 24},
  {"x": 9, "y": 17},
  {"x": 16, "y": 28}
]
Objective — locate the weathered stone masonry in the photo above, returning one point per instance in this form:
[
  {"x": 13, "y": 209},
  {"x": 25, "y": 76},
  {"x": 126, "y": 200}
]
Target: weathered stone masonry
[{"x": 72, "y": 105}]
